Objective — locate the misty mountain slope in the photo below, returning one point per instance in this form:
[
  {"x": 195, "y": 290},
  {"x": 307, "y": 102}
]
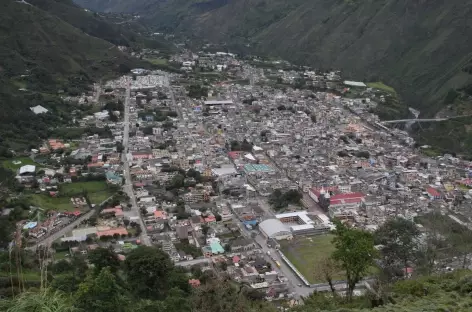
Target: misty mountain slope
[{"x": 420, "y": 47}]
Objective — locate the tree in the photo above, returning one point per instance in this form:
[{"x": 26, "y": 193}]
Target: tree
[
  {"x": 399, "y": 238},
  {"x": 177, "y": 181},
  {"x": 354, "y": 252},
  {"x": 102, "y": 258},
  {"x": 147, "y": 271},
  {"x": 101, "y": 294},
  {"x": 325, "y": 270},
  {"x": 205, "y": 229}
]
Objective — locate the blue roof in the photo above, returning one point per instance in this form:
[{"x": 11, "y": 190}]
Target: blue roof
[{"x": 216, "y": 248}]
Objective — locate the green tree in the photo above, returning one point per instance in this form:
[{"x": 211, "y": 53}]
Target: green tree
[
  {"x": 354, "y": 252},
  {"x": 399, "y": 238},
  {"x": 102, "y": 258},
  {"x": 177, "y": 181},
  {"x": 147, "y": 272},
  {"x": 101, "y": 294}
]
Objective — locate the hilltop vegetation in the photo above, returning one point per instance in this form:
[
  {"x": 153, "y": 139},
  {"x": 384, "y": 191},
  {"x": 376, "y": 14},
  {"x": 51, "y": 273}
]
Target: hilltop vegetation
[{"x": 52, "y": 47}]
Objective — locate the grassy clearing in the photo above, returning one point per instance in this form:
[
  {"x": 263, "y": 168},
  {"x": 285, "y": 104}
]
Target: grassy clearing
[
  {"x": 60, "y": 255},
  {"x": 381, "y": 86},
  {"x": 47, "y": 202},
  {"x": 10, "y": 163},
  {"x": 97, "y": 191},
  {"x": 99, "y": 197},
  {"x": 306, "y": 254},
  {"x": 78, "y": 187},
  {"x": 157, "y": 61},
  {"x": 26, "y": 275}
]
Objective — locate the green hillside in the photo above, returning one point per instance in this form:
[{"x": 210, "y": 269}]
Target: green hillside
[
  {"x": 418, "y": 47},
  {"x": 42, "y": 54}
]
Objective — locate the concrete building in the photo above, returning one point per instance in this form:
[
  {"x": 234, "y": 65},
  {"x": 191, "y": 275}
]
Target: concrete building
[{"x": 274, "y": 228}]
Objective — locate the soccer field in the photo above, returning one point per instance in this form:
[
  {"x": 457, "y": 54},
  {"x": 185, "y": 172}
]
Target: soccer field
[{"x": 306, "y": 254}]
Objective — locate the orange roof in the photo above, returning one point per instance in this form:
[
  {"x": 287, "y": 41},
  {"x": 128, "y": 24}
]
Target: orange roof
[
  {"x": 159, "y": 214},
  {"x": 111, "y": 232},
  {"x": 97, "y": 164},
  {"x": 210, "y": 219},
  {"x": 194, "y": 282},
  {"x": 117, "y": 211}
]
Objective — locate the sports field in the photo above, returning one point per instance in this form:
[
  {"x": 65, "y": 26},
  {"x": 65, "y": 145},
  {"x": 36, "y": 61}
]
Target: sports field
[
  {"x": 306, "y": 254},
  {"x": 97, "y": 191}
]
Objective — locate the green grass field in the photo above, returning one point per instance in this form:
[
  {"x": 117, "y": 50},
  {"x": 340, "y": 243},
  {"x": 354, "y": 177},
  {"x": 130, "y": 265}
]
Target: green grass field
[
  {"x": 97, "y": 192},
  {"x": 157, "y": 61},
  {"x": 51, "y": 203},
  {"x": 381, "y": 86},
  {"x": 9, "y": 164},
  {"x": 306, "y": 253},
  {"x": 78, "y": 187}
]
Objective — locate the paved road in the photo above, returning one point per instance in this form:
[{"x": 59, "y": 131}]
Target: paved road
[
  {"x": 50, "y": 239},
  {"x": 128, "y": 187},
  {"x": 68, "y": 228},
  {"x": 293, "y": 279},
  {"x": 193, "y": 262}
]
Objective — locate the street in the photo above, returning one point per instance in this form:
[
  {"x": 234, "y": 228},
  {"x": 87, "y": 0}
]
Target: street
[{"x": 128, "y": 186}]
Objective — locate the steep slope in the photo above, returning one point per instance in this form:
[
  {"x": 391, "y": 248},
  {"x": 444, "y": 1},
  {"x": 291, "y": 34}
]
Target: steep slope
[
  {"x": 419, "y": 47},
  {"x": 88, "y": 22},
  {"x": 43, "y": 54}
]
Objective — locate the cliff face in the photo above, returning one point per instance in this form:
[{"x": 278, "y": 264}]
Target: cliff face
[{"x": 419, "y": 47}]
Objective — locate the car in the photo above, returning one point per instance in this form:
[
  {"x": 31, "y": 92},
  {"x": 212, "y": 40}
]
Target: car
[{"x": 300, "y": 285}]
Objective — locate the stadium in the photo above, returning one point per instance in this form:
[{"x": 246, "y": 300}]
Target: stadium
[{"x": 287, "y": 225}]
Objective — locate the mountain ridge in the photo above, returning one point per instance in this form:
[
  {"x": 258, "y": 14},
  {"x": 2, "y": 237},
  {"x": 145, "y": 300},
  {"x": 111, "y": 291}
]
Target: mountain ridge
[{"x": 419, "y": 47}]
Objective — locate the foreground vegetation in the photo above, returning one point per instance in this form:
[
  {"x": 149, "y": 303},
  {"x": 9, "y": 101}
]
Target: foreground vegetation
[{"x": 147, "y": 280}]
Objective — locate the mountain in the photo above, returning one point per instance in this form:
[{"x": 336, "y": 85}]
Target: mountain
[
  {"x": 44, "y": 49},
  {"x": 419, "y": 47}
]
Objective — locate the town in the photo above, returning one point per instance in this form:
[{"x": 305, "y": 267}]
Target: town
[{"x": 237, "y": 166}]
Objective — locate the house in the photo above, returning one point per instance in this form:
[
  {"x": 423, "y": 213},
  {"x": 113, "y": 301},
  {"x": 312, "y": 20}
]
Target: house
[
  {"x": 242, "y": 244},
  {"x": 112, "y": 232},
  {"x": 194, "y": 283},
  {"x": 182, "y": 231},
  {"x": 38, "y": 109},
  {"x": 211, "y": 219},
  {"x": 160, "y": 215},
  {"x": 113, "y": 178},
  {"x": 433, "y": 193},
  {"x": 117, "y": 211},
  {"x": 55, "y": 144},
  {"x": 213, "y": 249}
]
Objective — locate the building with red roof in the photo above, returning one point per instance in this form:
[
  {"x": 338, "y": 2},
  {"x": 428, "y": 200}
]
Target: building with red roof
[
  {"x": 433, "y": 193},
  {"x": 341, "y": 201},
  {"x": 111, "y": 232},
  {"x": 194, "y": 283},
  {"x": 316, "y": 192}
]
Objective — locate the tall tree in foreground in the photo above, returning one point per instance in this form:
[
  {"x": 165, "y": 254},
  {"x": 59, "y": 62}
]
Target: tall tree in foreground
[
  {"x": 326, "y": 271},
  {"x": 101, "y": 294},
  {"x": 399, "y": 240},
  {"x": 102, "y": 258},
  {"x": 354, "y": 253},
  {"x": 148, "y": 272}
]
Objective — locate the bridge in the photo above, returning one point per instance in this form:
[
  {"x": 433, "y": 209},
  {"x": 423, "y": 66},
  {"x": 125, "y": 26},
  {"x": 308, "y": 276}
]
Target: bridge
[
  {"x": 413, "y": 120},
  {"x": 422, "y": 120}
]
